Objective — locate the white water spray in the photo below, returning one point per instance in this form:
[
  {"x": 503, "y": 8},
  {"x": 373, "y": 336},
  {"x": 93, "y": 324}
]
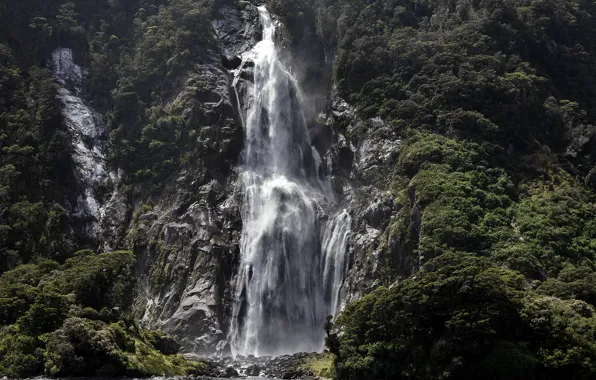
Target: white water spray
[{"x": 293, "y": 263}]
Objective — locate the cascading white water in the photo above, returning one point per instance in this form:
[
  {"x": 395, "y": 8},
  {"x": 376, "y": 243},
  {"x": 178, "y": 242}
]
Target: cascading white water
[
  {"x": 334, "y": 263},
  {"x": 293, "y": 263}
]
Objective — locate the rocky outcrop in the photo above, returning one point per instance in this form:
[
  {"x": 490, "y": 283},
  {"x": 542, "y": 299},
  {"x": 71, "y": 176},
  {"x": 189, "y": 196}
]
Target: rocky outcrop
[
  {"x": 187, "y": 265},
  {"x": 282, "y": 367},
  {"x": 238, "y": 30},
  {"x": 362, "y": 169},
  {"x": 187, "y": 239},
  {"x": 87, "y": 135}
]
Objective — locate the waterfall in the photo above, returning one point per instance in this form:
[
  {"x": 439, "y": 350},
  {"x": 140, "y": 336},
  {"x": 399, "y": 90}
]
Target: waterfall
[
  {"x": 293, "y": 261},
  {"x": 335, "y": 265}
]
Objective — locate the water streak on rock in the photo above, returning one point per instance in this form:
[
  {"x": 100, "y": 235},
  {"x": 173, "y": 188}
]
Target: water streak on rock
[{"x": 87, "y": 131}]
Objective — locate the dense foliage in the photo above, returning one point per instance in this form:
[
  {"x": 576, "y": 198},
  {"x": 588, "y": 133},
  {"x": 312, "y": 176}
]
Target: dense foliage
[
  {"x": 64, "y": 313},
  {"x": 494, "y": 101},
  {"x": 463, "y": 317},
  {"x": 138, "y": 53},
  {"x": 74, "y": 320},
  {"x": 36, "y": 184},
  {"x": 34, "y": 154}
]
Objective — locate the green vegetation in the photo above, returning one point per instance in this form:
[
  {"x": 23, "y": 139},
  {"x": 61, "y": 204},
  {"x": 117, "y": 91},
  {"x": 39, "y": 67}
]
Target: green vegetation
[
  {"x": 320, "y": 366},
  {"x": 67, "y": 313},
  {"x": 148, "y": 139},
  {"x": 75, "y": 320},
  {"x": 462, "y": 317},
  {"x": 138, "y": 54},
  {"x": 34, "y": 154},
  {"x": 494, "y": 102}
]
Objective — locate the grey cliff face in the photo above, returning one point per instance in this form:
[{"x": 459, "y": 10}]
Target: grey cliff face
[
  {"x": 359, "y": 171},
  {"x": 190, "y": 237},
  {"x": 88, "y": 134}
]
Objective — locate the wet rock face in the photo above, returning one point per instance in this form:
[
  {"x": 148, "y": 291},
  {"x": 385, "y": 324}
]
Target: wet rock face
[
  {"x": 231, "y": 63},
  {"x": 253, "y": 370},
  {"x": 188, "y": 263},
  {"x": 361, "y": 167},
  {"x": 87, "y": 135},
  {"x": 187, "y": 239},
  {"x": 237, "y": 30}
]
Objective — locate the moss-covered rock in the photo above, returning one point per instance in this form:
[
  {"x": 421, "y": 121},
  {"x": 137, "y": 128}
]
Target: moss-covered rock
[{"x": 320, "y": 365}]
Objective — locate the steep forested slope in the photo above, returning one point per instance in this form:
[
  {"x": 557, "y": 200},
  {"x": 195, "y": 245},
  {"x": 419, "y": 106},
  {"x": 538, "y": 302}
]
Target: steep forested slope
[
  {"x": 65, "y": 312},
  {"x": 494, "y": 102},
  {"x": 74, "y": 320}
]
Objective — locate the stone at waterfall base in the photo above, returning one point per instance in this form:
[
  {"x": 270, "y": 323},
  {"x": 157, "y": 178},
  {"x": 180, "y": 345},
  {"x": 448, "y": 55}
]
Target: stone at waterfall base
[{"x": 303, "y": 366}]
